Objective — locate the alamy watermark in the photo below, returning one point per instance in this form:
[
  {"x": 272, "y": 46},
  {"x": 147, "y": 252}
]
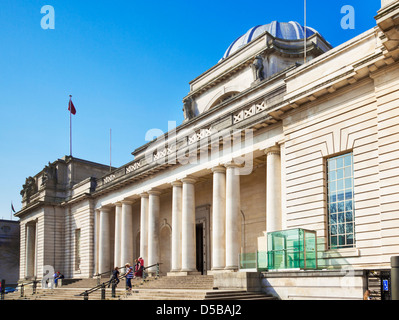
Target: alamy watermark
[
  {"x": 348, "y": 20},
  {"x": 204, "y": 146},
  {"x": 48, "y": 20}
]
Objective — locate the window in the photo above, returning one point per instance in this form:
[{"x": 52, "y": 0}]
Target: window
[
  {"x": 77, "y": 249},
  {"x": 340, "y": 204}
]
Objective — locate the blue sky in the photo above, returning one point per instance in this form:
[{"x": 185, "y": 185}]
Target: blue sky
[{"x": 127, "y": 65}]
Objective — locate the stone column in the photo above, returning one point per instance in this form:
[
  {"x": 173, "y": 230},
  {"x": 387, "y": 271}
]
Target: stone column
[
  {"x": 30, "y": 249},
  {"x": 144, "y": 228},
  {"x": 273, "y": 189},
  {"x": 233, "y": 239},
  {"x": 176, "y": 226},
  {"x": 104, "y": 256},
  {"x": 153, "y": 228},
  {"x": 127, "y": 233},
  {"x": 219, "y": 218},
  {"x": 118, "y": 239},
  {"x": 188, "y": 226}
]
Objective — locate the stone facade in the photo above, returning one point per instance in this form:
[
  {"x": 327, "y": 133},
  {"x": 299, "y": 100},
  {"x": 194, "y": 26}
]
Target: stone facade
[
  {"x": 9, "y": 251},
  {"x": 251, "y": 158}
]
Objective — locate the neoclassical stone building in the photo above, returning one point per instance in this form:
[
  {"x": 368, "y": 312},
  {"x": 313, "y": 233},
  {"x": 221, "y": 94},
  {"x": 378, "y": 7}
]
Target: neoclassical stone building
[{"x": 284, "y": 142}]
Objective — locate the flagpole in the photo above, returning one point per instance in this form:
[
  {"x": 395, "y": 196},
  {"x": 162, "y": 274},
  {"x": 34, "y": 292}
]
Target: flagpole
[
  {"x": 70, "y": 127},
  {"x": 110, "y": 151},
  {"x": 304, "y": 58}
]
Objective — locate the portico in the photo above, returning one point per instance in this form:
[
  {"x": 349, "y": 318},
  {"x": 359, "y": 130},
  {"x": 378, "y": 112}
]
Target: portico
[{"x": 176, "y": 199}]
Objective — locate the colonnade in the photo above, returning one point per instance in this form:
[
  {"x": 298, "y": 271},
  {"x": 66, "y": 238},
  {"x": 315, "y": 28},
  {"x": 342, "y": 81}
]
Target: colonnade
[{"x": 225, "y": 220}]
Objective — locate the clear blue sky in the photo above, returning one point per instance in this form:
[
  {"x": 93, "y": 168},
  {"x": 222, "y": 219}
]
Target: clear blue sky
[{"x": 127, "y": 65}]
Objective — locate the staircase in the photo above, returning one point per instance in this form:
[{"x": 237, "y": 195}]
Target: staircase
[
  {"x": 164, "y": 288},
  {"x": 187, "y": 288}
]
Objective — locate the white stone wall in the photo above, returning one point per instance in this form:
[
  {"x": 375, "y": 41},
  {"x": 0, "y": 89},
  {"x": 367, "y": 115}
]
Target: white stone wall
[
  {"x": 349, "y": 121},
  {"x": 386, "y": 89}
]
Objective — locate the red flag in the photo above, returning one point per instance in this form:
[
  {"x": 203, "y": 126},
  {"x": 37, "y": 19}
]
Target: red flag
[{"x": 71, "y": 107}]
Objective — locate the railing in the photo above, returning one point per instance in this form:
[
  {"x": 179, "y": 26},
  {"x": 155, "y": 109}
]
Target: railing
[
  {"x": 24, "y": 284},
  {"x": 113, "y": 283}
]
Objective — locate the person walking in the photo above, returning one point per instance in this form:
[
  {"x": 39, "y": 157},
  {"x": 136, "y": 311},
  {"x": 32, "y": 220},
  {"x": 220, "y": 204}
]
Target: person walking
[
  {"x": 114, "y": 277},
  {"x": 129, "y": 276}
]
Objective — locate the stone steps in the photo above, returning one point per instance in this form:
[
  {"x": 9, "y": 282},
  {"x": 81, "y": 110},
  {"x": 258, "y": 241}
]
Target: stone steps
[
  {"x": 237, "y": 295},
  {"x": 186, "y": 282},
  {"x": 163, "y": 288}
]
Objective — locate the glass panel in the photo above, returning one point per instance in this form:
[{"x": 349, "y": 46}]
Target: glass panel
[
  {"x": 340, "y": 162},
  {"x": 332, "y": 164},
  {"x": 288, "y": 249},
  {"x": 248, "y": 260},
  {"x": 349, "y": 216},
  {"x": 348, "y": 205},
  {"x": 348, "y": 195},
  {"x": 348, "y": 160},
  {"x": 348, "y": 183},
  {"x": 262, "y": 260}
]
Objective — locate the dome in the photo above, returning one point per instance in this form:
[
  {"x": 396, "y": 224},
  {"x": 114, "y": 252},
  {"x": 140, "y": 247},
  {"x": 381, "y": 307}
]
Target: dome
[{"x": 282, "y": 30}]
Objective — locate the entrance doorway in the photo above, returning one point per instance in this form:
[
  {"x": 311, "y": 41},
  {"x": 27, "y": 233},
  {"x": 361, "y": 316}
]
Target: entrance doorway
[
  {"x": 202, "y": 238},
  {"x": 200, "y": 247}
]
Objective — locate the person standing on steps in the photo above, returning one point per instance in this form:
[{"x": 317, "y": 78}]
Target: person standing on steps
[
  {"x": 114, "y": 277},
  {"x": 129, "y": 276}
]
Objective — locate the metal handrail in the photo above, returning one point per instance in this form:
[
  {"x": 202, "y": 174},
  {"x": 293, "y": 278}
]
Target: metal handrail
[
  {"x": 102, "y": 286},
  {"x": 22, "y": 285}
]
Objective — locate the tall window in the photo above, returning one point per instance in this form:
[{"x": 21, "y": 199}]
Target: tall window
[
  {"x": 340, "y": 204},
  {"x": 77, "y": 249}
]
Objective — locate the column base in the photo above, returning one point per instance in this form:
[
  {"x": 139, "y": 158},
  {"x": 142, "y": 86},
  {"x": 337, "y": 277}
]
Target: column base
[
  {"x": 216, "y": 271},
  {"x": 183, "y": 273},
  {"x": 231, "y": 268}
]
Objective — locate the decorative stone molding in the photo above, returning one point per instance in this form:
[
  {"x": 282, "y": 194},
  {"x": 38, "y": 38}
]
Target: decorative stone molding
[
  {"x": 272, "y": 150},
  {"x": 135, "y": 166},
  {"x": 109, "y": 178},
  {"x": 201, "y": 134},
  {"x": 154, "y": 192},
  {"x": 219, "y": 169},
  {"x": 176, "y": 184},
  {"x": 163, "y": 153},
  {"x": 248, "y": 112},
  {"x": 189, "y": 179}
]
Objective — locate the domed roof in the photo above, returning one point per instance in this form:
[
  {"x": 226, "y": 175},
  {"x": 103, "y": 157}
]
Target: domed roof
[{"x": 282, "y": 30}]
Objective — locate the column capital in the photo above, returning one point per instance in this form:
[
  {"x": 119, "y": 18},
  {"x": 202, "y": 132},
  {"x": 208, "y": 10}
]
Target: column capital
[
  {"x": 144, "y": 195},
  {"x": 232, "y": 164},
  {"x": 128, "y": 202},
  {"x": 272, "y": 150},
  {"x": 189, "y": 179},
  {"x": 220, "y": 169},
  {"x": 104, "y": 208},
  {"x": 176, "y": 183},
  {"x": 154, "y": 192},
  {"x": 118, "y": 204}
]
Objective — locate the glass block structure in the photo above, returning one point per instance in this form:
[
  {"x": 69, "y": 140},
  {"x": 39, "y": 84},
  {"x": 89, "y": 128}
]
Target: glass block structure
[{"x": 292, "y": 249}]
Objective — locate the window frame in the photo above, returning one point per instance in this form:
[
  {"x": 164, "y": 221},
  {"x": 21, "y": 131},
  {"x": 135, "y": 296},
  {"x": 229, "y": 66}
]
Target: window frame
[{"x": 340, "y": 233}]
